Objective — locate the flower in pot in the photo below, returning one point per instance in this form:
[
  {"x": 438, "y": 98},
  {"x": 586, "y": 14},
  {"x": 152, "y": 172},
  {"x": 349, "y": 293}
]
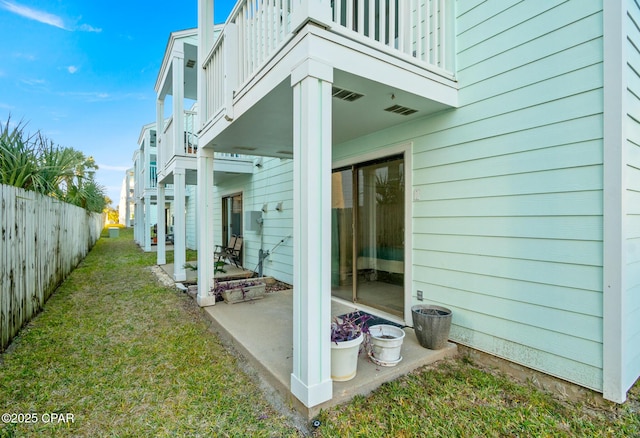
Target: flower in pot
[{"x": 347, "y": 334}]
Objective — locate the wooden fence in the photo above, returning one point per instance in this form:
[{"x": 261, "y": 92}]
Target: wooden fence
[{"x": 42, "y": 241}]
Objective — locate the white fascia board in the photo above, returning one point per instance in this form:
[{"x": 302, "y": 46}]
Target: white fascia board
[
  {"x": 145, "y": 128},
  {"x": 190, "y": 36}
]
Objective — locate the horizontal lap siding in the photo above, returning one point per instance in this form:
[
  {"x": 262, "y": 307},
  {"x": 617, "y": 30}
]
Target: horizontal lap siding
[
  {"x": 190, "y": 219},
  {"x": 270, "y": 184},
  {"x": 631, "y": 361},
  {"x": 527, "y": 165},
  {"x": 507, "y": 211}
]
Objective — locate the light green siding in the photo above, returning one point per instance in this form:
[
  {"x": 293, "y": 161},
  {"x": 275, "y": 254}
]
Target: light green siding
[
  {"x": 631, "y": 361},
  {"x": 507, "y": 211},
  {"x": 270, "y": 184},
  {"x": 190, "y": 219}
]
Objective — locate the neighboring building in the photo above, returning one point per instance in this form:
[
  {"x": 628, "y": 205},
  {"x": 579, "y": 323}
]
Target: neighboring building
[
  {"x": 478, "y": 155},
  {"x": 178, "y": 147},
  {"x": 145, "y": 188},
  {"x": 127, "y": 200}
]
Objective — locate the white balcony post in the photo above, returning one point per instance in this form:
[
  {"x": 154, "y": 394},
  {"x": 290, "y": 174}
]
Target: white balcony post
[
  {"x": 177, "y": 65},
  {"x": 204, "y": 202},
  {"x": 311, "y": 377},
  {"x": 127, "y": 207},
  {"x": 318, "y": 11},
  {"x": 179, "y": 229},
  {"x": 230, "y": 67},
  {"x": 205, "y": 42},
  {"x": 159, "y": 134},
  {"x": 147, "y": 223},
  {"x": 136, "y": 221},
  {"x": 162, "y": 254}
]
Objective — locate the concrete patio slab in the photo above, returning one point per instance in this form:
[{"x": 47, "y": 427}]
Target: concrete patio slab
[{"x": 262, "y": 332}]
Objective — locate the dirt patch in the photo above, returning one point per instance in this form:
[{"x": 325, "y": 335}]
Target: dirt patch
[{"x": 277, "y": 286}]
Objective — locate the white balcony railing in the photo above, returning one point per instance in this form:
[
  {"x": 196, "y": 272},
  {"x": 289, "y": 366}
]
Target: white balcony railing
[
  {"x": 187, "y": 144},
  {"x": 252, "y": 34},
  {"x": 153, "y": 176},
  {"x": 421, "y": 30}
]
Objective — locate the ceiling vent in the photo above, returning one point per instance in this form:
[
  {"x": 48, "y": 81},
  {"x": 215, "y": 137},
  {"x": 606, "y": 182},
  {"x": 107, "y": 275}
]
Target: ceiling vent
[
  {"x": 244, "y": 148},
  {"x": 402, "y": 110},
  {"x": 191, "y": 63},
  {"x": 285, "y": 152},
  {"x": 346, "y": 95}
]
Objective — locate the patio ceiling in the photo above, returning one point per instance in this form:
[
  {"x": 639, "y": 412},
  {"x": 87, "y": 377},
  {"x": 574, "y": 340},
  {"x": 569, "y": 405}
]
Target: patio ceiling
[{"x": 267, "y": 127}]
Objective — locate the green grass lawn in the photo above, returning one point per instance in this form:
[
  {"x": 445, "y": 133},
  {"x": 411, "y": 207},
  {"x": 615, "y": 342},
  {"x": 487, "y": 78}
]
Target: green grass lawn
[
  {"x": 127, "y": 357},
  {"x": 456, "y": 398}
]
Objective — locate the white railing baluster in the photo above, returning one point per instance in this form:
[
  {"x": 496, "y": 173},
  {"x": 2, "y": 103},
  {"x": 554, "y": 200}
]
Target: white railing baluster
[
  {"x": 337, "y": 12},
  {"x": 417, "y": 45},
  {"x": 349, "y": 14},
  {"x": 360, "y": 28},
  {"x": 278, "y": 22},
  {"x": 271, "y": 16},
  {"x": 382, "y": 21},
  {"x": 433, "y": 46},
  {"x": 392, "y": 24},
  {"x": 372, "y": 19},
  {"x": 402, "y": 27},
  {"x": 441, "y": 34}
]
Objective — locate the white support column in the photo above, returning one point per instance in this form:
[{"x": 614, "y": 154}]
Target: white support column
[
  {"x": 205, "y": 226},
  {"x": 162, "y": 249},
  {"x": 177, "y": 62},
  {"x": 160, "y": 158},
  {"x": 179, "y": 229},
  {"x": 147, "y": 224},
  {"x": 127, "y": 208},
  {"x": 614, "y": 209},
  {"x": 205, "y": 42},
  {"x": 136, "y": 221},
  {"x": 311, "y": 377}
]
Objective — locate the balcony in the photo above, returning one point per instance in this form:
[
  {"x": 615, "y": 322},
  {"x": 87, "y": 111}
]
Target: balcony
[
  {"x": 169, "y": 150},
  {"x": 383, "y": 49},
  {"x": 226, "y": 164}
]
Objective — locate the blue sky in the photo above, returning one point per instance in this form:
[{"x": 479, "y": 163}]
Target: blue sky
[{"x": 83, "y": 72}]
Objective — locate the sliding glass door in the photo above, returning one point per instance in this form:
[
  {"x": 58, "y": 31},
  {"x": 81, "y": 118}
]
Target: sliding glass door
[
  {"x": 231, "y": 217},
  {"x": 368, "y": 234}
]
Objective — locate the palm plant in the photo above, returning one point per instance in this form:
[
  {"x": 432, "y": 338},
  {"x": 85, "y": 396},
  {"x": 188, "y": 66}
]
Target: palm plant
[
  {"x": 35, "y": 163},
  {"x": 18, "y": 164}
]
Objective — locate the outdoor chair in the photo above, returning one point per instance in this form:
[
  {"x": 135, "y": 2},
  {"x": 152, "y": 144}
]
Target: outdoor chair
[
  {"x": 233, "y": 252},
  {"x": 230, "y": 252}
]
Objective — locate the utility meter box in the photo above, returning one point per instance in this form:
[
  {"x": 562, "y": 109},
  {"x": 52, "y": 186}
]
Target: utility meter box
[{"x": 252, "y": 220}]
